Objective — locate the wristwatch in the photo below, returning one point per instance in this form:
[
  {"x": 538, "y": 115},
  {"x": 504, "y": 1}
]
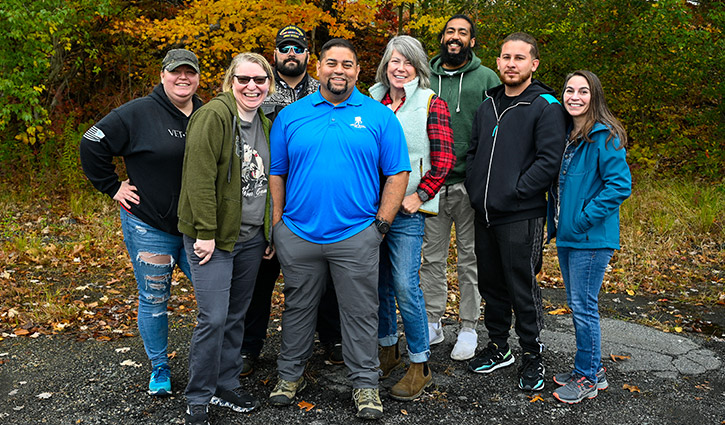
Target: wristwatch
[
  {"x": 422, "y": 195},
  {"x": 382, "y": 225}
]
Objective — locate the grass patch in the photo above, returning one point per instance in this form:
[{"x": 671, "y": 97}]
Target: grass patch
[
  {"x": 673, "y": 242},
  {"x": 64, "y": 266}
]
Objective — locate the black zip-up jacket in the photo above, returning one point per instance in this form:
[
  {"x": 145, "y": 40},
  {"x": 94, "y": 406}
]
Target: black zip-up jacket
[
  {"x": 150, "y": 134},
  {"x": 515, "y": 154}
]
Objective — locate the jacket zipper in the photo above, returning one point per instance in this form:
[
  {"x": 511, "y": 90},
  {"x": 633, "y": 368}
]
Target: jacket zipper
[{"x": 493, "y": 149}]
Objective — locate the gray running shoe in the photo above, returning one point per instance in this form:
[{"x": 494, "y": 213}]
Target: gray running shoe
[
  {"x": 566, "y": 377},
  {"x": 576, "y": 390}
]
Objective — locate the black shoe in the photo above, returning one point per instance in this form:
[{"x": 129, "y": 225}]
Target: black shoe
[
  {"x": 531, "y": 372},
  {"x": 247, "y": 364},
  {"x": 333, "y": 354},
  {"x": 197, "y": 414},
  {"x": 491, "y": 358},
  {"x": 236, "y": 399}
]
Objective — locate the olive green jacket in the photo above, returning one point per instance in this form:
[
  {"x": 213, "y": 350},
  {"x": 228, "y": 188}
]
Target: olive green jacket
[{"x": 210, "y": 203}]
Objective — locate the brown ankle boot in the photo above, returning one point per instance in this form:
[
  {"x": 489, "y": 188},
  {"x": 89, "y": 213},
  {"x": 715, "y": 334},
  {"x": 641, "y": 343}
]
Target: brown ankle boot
[
  {"x": 418, "y": 378},
  {"x": 389, "y": 359}
]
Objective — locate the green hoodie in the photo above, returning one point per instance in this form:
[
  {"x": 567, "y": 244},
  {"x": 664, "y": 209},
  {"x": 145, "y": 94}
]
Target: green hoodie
[
  {"x": 464, "y": 89},
  {"x": 210, "y": 203}
]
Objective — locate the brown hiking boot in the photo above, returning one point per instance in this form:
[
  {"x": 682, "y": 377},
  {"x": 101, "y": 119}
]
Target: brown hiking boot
[
  {"x": 418, "y": 378},
  {"x": 389, "y": 359}
]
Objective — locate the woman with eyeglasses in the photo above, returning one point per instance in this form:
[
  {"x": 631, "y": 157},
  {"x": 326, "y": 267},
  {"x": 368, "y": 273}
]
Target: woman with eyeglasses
[
  {"x": 224, "y": 214},
  {"x": 403, "y": 84},
  {"x": 583, "y": 212}
]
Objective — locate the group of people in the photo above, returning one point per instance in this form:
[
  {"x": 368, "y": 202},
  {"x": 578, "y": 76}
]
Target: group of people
[{"x": 353, "y": 198}]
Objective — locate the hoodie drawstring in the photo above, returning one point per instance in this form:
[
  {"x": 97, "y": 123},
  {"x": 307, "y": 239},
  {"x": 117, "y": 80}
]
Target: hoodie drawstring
[
  {"x": 234, "y": 141},
  {"x": 460, "y": 85}
]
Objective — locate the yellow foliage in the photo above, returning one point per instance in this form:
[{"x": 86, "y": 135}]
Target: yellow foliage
[{"x": 216, "y": 30}]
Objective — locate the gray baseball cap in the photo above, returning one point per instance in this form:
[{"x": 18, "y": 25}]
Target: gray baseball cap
[{"x": 177, "y": 57}]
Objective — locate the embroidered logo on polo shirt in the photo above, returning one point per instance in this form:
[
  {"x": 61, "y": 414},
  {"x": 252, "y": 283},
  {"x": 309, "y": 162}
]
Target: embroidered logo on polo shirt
[{"x": 358, "y": 123}]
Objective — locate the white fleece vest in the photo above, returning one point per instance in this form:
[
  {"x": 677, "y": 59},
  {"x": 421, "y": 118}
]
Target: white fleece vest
[{"x": 413, "y": 116}]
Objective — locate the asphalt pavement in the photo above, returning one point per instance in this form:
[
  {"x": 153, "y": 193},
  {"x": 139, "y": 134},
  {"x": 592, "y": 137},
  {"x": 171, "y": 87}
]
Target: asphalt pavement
[{"x": 655, "y": 377}]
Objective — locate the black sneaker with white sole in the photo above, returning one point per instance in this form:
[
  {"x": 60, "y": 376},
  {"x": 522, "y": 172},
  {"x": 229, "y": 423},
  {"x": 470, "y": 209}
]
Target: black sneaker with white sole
[
  {"x": 531, "y": 372},
  {"x": 196, "y": 414},
  {"x": 491, "y": 358},
  {"x": 236, "y": 399}
]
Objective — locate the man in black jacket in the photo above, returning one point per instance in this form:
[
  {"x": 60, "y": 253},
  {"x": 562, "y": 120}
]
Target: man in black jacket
[{"x": 518, "y": 139}]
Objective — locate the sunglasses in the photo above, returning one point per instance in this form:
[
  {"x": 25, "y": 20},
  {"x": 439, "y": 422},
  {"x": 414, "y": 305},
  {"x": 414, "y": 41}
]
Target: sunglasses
[
  {"x": 245, "y": 79},
  {"x": 297, "y": 49}
]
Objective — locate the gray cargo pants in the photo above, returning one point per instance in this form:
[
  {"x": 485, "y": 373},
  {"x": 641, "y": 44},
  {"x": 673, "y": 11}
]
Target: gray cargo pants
[{"x": 353, "y": 264}]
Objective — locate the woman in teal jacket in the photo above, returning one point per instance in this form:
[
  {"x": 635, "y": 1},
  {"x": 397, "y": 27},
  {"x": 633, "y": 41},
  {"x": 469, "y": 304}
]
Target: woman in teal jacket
[
  {"x": 224, "y": 215},
  {"x": 594, "y": 180}
]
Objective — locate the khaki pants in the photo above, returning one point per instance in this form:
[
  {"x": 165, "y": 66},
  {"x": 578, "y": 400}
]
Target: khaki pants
[{"x": 455, "y": 207}]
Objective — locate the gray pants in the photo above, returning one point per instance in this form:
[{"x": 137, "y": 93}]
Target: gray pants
[
  {"x": 223, "y": 288},
  {"x": 353, "y": 264}
]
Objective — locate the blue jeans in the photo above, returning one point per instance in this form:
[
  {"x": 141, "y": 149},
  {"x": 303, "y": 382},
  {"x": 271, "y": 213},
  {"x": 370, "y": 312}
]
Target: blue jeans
[
  {"x": 583, "y": 272},
  {"x": 153, "y": 254},
  {"x": 399, "y": 280}
]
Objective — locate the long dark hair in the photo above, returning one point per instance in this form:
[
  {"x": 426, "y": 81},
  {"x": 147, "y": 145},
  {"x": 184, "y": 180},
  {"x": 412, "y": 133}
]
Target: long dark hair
[{"x": 598, "y": 111}]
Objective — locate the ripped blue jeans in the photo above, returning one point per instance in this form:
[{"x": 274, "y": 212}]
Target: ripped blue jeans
[{"x": 154, "y": 253}]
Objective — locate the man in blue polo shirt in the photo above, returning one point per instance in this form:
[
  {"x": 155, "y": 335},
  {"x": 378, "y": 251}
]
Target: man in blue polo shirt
[{"x": 330, "y": 215}]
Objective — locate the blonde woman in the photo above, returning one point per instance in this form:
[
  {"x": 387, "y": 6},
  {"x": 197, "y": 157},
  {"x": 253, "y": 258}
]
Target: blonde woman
[{"x": 224, "y": 215}]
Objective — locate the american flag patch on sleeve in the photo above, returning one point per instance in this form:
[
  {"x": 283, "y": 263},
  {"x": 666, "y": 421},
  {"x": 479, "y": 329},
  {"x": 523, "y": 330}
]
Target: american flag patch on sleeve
[{"x": 94, "y": 134}]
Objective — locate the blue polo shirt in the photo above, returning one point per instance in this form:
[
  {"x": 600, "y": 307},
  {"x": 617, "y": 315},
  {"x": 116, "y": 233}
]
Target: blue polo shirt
[{"x": 333, "y": 157}]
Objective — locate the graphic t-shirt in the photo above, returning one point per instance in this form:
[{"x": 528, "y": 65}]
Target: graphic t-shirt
[{"x": 251, "y": 147}]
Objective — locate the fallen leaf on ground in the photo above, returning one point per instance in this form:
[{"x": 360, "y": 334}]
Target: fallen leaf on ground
[
  {"x": 536, "y": 398},
  {"x": 630, "y": 292},
  {"x": 678, "y": 329},
  {"x": 616, "y": 357},
  {"x": 560, "y": 311},
  {"x": 403, "y": 411},
  {"x": 123, "y": 349},
  {"x": 631, "y": 388},
  {"x": 172, "y": 354},
  {"x": 44, "y": 395},
  {"x": 305, "y": 405},
  {"x": 130, "y": 363},
  {"x": 21, "y": 332},
  {"x": 18, "y": 408}
]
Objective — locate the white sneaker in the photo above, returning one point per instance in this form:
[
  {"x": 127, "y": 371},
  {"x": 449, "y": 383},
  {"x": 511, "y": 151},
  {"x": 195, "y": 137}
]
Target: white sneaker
[
  {"x": 435, "y": 333},
  {"x": 465, "y": 347}
]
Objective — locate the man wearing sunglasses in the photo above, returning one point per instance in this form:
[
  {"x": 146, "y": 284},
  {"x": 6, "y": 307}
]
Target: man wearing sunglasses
[
  {"x": 291, "y": 55},
  {"x": 292, "y": 83}
]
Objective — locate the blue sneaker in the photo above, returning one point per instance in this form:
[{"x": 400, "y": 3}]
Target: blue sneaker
[{"x": 160, "y": 382}]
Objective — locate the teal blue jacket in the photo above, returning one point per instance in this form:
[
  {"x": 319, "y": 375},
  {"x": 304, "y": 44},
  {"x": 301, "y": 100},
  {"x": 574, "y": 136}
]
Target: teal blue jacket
[{"x": 591, "y": 189}]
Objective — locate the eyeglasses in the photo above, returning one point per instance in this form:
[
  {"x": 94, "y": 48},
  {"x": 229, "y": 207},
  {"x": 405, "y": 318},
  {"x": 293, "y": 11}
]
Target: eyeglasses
[
  {"x": 297, "y": 49},
  {"x": 245, "y": 79}
]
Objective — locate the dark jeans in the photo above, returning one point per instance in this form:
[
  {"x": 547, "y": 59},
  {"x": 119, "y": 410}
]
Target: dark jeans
[
  {"x": 257, "y": 318},
  {"x": 509, "y": 257},
  {"x": 223, "y": 289}
]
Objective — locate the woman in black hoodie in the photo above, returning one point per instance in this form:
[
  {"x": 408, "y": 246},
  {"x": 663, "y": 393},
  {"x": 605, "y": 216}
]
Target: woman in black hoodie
[{"x": 150, "y": 134}]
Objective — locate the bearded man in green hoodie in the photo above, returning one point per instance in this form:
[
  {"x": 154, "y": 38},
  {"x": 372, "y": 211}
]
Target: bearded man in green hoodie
[{"x": 459, "y": 79}]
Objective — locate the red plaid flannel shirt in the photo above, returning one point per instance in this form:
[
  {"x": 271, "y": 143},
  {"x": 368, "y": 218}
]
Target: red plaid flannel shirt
[{"x": 440, "y": 134}]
